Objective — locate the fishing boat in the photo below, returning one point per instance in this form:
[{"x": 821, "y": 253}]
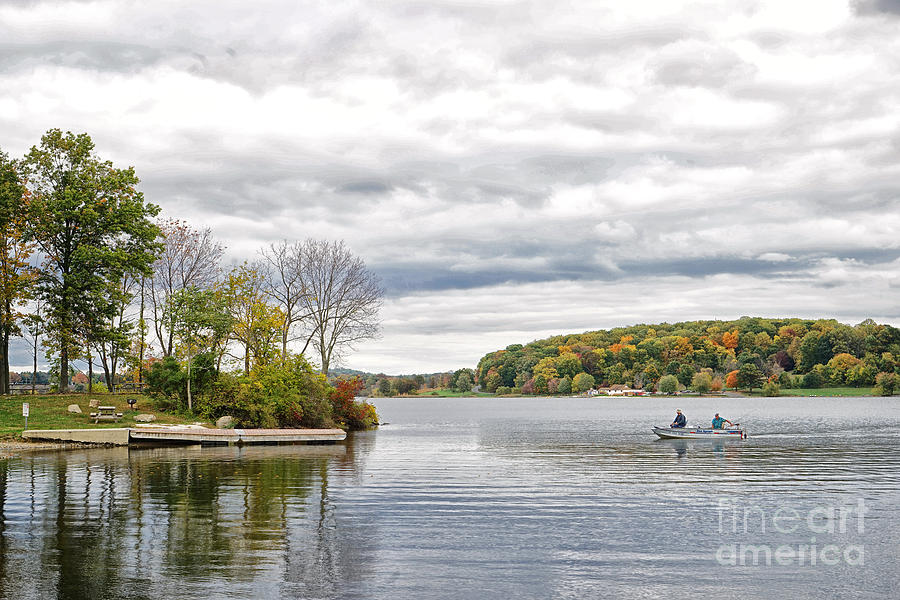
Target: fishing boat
[{"x": 690, "y": 433}]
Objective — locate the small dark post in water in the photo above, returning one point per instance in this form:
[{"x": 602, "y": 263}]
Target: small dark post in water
[{"x": 132, "y": 402}]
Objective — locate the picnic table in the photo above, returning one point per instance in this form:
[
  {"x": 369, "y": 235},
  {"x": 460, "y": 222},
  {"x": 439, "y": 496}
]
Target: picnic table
[{"x": 106, "y": 413}]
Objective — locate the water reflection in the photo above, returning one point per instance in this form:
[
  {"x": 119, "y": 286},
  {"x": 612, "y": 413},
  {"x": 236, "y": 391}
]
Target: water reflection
[
  {"x": 171, "y": 522},
  {"x": 458, "y": 499}
]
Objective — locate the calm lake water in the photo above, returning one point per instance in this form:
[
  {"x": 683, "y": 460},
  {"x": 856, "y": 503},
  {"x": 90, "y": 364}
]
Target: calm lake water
[{"x": 478, "y": 498}]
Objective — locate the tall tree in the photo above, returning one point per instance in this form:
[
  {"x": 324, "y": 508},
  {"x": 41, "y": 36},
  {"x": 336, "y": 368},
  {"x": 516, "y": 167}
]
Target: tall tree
[
  {"x": 33, "y": 328},
  {"x": 282, "y": 264},
  {"x": 341, "y": 298},
  {"x": 92, "y": 226},
  {"x": 190, "y": 258},
  {"x": 111, "y": 337},
  {"x": 16, "y": 275},
  {"x": 200, "y": 321},
  {"x": 255, "y": 324}
]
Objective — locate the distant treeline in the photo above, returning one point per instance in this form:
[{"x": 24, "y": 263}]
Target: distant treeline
[
  {"x": 41, "y": 378},
  {"x": 749, "y": 352},
  {"x": 379, "y": 384}
]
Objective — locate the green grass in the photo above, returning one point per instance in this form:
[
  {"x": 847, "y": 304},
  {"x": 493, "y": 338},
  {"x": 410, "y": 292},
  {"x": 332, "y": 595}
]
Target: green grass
[
  {"x": 827, "y": 391},
  {"x": 50, "y": 412},
  {"x": 453, "y": 394}
]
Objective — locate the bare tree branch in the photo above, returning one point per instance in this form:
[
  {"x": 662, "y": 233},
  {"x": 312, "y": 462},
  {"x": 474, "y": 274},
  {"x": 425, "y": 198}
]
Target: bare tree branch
[{"x": 190, "y": 258}]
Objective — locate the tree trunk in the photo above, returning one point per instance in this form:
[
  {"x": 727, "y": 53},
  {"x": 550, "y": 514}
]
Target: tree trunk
[
  {"x": 106, "y": 374},
  {"x": 34, "y": 369},
  {"x": 246, "y": 359},
  {"x": 190, "y": 404},
  {"x": 143, "y": 327},
  {"x": 63, "y": 386},
  {"x": 90, "y": 389},
  {"x": 4, "y": 376}
]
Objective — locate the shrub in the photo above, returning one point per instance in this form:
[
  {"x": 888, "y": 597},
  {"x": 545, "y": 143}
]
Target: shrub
[
  {"x": 288, "y": 394},
  {"x": 701, "y": 382},
  {"x": 582, "y": 382},
  {"x": 553, "y": 385},
  {"x": 502, "y": 390},
  {"x": 885, "y": 384},
  {"x": 770, "y": 388},
  {"x": 492, "y": 381},
  {"x": 785, "y": 380},
  {"x": 351, "y": 414},
  {"x": 668, "y": 384},
  {"x": 813, "y": 380},
  {"x": 165, "y": 381}
]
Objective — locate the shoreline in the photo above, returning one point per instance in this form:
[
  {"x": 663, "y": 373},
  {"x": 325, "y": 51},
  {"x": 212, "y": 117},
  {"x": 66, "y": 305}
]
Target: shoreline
[{"x": 10, "y": 448}]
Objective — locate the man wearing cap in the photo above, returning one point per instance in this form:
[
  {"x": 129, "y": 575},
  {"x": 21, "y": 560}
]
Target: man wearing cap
[
  {"x": 719, "y": 422},
  {"x": 679, "y": 421}
]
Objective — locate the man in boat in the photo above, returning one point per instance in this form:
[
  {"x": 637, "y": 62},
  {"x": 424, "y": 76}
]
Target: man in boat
[
  {"x": 719, "y": 422},
  {"x": 680, "y": 420}
]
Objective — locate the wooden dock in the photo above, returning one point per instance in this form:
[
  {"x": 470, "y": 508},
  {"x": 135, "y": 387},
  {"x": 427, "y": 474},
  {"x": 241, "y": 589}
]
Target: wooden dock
[
  {"x": 148, "y": 436},
  {"x": 234, "y": 436}
]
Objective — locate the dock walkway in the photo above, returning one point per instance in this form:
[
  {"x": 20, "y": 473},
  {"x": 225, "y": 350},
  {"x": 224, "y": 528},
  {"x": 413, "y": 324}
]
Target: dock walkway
[{"x": 185, "y": 435}]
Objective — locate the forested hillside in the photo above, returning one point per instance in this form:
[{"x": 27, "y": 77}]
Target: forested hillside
[{"x": 747, "y": 353}]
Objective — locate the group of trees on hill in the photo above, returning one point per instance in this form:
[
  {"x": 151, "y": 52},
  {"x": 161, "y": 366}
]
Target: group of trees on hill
[
  {"x": 701, "y": 355},
  {"x": 88, "y": 272}
]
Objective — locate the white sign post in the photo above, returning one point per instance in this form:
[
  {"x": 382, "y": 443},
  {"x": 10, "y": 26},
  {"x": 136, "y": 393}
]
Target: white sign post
[{"x": 25, "y": 410}]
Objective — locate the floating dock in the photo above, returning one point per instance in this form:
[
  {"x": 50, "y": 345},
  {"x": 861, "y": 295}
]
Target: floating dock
[{"x": 185, "y": 435}]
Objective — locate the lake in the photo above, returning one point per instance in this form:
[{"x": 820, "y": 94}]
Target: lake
[{"x": 478, "y": 498}]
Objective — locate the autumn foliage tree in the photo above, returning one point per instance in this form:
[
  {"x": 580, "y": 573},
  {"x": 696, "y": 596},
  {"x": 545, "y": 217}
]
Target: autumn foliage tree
[
  {"x": 731, "y": 380},
  {"x": 16, "y": 275},
  {"x": 354, "y": 415},
  {"x": 255, "y": 325}
]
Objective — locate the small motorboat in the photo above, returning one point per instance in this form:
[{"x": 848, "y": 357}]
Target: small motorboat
[{"x": 693, "y": 433}]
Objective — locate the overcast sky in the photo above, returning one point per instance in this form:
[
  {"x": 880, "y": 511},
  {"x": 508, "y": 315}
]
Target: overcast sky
[{"x": 511, "y": 170}]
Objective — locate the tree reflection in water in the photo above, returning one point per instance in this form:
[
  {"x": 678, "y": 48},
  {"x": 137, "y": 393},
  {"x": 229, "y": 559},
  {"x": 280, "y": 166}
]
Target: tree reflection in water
[{"x": 174, "y": 522}]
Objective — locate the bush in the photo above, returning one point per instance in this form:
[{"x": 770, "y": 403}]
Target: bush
[
  {"x": 166, "y": 382},
  {"x": 813, "y": 380},
  {"x": 503, "y": 390},
  {"x": 289, "y": 394},
  {"x": 668, "y": 384},
  {"x": 770, "y": 388},
  {"x": 240, "y": 398},
  {"x": 885, "y": 384},
  {"x": 582, "y": 382},
  {"x": 351, "y": 414},
  {"x": 785, "y": 380},
  {"x": 492, "y": 381},
  {"x": 701, "y": 383}
]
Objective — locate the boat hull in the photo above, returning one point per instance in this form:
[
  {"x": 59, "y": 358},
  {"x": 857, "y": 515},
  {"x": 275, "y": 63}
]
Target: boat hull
[{"x": 695, "y": 433}]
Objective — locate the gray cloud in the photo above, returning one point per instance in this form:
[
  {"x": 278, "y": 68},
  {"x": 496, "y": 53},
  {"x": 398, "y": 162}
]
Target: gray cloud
[
  {"x": 878, "y": 6},
  {"x": 482, "y": 151}
]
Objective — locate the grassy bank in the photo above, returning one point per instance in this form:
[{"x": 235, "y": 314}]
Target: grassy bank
[
  {"x": 50, "y": 412},
  {"x": 827, "y": 391},
  {"x": 453, "y": 394}
]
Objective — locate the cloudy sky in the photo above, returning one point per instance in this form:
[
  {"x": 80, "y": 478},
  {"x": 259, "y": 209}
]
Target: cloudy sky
[{"x": 510, "y": 169}]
